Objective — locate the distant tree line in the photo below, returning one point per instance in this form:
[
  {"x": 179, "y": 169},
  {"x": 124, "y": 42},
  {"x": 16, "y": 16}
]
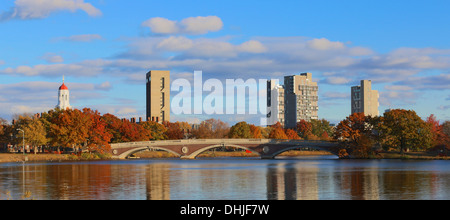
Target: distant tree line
[{"x": 361, "y": 136}]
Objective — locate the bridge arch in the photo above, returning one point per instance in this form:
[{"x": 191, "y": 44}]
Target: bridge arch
[
  {"x": 135, "y": 150},
  {"x": 194, "y": 154}
]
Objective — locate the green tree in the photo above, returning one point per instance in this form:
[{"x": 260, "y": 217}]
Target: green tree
[
  {"x": 404, "y": 129},
  {"x": 318, "y": 127},
  {"x": 157, "y": 130},
  {"x": 35, "y": 133},
  {"x": 240, "y": 130}
]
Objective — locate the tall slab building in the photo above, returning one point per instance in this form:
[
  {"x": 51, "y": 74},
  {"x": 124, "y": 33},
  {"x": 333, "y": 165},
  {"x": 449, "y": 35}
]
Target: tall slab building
[
  {"x": 275, "y": 103},
  {"x": 301, "y": 99},
  {"x": 158, "y": 95},
  {"x": 364, "y": 99}
]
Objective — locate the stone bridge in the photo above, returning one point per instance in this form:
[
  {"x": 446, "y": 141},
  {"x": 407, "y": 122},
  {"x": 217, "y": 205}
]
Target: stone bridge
[{"x": 191, "y": 148}]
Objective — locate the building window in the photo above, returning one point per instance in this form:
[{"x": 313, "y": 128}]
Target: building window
[
  {"x": 162, "y": 83},
  {"x": 162, "y": 99}
]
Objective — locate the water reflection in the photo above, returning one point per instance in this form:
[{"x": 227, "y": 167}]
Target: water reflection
[{"x": 281, "y": 179}]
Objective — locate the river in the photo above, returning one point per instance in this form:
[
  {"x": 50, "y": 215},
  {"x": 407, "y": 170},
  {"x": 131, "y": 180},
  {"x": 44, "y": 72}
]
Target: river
[{"x": 299, "y": 178}]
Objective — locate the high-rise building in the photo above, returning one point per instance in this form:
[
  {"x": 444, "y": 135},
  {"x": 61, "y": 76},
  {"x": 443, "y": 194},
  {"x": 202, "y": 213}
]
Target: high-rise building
[
  {"x": 364, "y": 99},
  {"x": 158, "y": 95},
  {"x": 301, "y": 99},
  {"x": 275, "y": 103},
  {"x": 63, "y": 97}
]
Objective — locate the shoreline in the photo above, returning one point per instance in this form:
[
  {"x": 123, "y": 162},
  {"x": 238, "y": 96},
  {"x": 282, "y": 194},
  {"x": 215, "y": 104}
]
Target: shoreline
[{"x": 16, "y": 158}]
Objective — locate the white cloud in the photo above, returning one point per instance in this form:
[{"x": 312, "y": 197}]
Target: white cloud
[
  {"x": 336, "y": 80},
  {"x": 86, "y": 68},
  {"x": 175, "y": 43},
  {"x": 80, "y": 38},
  {"x": 192, "y": 25},
  {"x": 252, "y": 46},
  {"x": 52, "y": 58},
  {"x": 161, "y": 25},
  {"x": 398, "y": 88},
  {"x": 104, "y": 86},
  {"x": 32, "y": 9},
  {"x": 325, "y": 44},
  {"x": 201, "y": 25}
]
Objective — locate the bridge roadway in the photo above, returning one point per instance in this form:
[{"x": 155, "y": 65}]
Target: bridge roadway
[{"x": 191, "y": 148}]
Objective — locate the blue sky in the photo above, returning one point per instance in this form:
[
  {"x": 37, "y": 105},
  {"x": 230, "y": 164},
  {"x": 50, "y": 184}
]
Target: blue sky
[{"x": 105, "y": 47}]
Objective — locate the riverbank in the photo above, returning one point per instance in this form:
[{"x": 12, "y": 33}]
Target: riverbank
[{"x": 14, "y": 158}]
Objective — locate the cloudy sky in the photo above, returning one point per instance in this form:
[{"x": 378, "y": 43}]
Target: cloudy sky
[{"x": 105, "y": 47}]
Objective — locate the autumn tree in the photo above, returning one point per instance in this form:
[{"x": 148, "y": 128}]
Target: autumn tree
[
  {"x": 112, "y": 127},
  {"x": 265, "y": 131},
  {"x": 34, "y": 130},
  {"x": 157, "y": 130},
  {"x": 2, "y": 126},
  {"x": 446, "y": 132},
  {"x": 240, "y": 130},
  {"x": 70, "y": 128},
  {"x": 211, "y": 129},
  {"x": 404, "y": 129},
  {"x": 132, "y": 132},
  {"x": 277, "y": 133},
  {"x": 355, "y": 133},
  {"x": 35, "y": 133},
  {"x": 47, "y": 119},
  {"x": 438, "y": 136},
  {"x": 304, "y": 128},
  {"x": 98, "y": 137},
  {"x": 291, "y": 134},
  {"x": 4, "y": 134},
  {"x": 318, "y": 127},
  {"x": 174, "y": 131},
  {"x": 255, "y": 131}
]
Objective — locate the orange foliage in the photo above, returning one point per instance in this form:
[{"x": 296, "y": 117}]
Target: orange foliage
[
  {"x": 304, "y": 128},
  {"x": 292, "y": 135},
  {"x": 278, "y": 133},
  {"x": 256, "y": 131}
]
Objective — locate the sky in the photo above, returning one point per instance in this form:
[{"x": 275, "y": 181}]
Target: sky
[{"x": 104, "y": 48}]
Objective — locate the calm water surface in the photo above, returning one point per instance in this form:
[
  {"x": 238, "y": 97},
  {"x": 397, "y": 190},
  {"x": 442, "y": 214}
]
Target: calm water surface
[{"x": 312, "y": 178}]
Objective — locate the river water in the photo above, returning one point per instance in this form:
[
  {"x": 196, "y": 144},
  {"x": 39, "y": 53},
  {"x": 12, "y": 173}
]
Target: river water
[{"x": 298, "y": 178}]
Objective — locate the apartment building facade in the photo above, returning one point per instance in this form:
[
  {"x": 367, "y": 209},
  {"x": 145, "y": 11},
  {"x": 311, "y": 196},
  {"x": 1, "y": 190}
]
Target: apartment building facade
[{"x": 301, "y": 99}]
